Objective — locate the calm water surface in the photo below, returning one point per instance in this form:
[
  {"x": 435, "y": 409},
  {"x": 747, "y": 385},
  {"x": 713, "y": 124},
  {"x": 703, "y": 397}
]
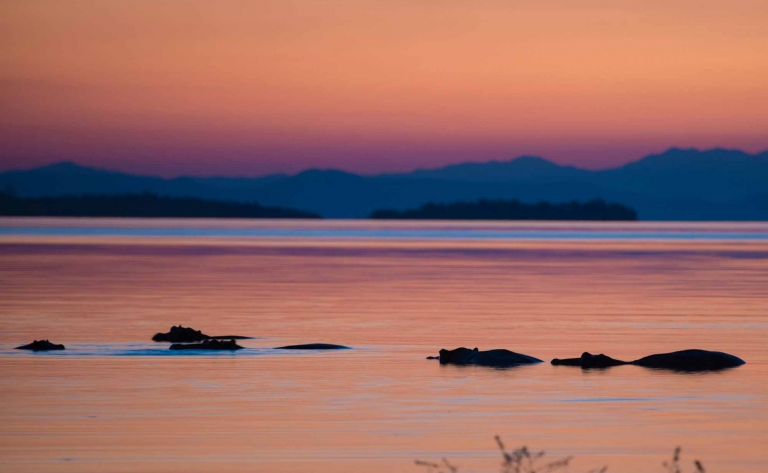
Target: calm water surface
[{"x": 396, "y": 292}]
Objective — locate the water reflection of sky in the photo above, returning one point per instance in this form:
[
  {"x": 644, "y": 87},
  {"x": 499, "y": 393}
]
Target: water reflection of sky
[
  {"x": 468, "y": 231},
  {"x": 113, "y": 397}
]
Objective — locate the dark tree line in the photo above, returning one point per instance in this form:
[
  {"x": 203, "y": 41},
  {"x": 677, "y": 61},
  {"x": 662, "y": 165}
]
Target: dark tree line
[
  {"x": 513, "y": 210},
  {"x": 139, "y": 205}
]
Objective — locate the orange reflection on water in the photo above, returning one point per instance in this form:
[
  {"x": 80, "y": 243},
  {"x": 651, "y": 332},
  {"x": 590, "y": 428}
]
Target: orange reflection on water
[{"x": 381, "y": 405}]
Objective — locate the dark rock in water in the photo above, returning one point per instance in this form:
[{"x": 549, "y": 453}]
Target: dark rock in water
[
  {"x": 589, "y": 360},
  {"x": 208, "y": 345},
  {"x": 691, "y": 360},
  {"x": 313, "y": 346},
  {"x": 188, "y": 335},
  {"x": 181, "y": 335},
  {"x": 41, "y": 345},
  {"x": 495, "y": 358}
]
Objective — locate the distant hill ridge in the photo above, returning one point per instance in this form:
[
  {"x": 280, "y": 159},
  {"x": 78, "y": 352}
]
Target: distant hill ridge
[
  {"x": 523, "y": 167},
  {"x": 139, "y": 205},
  {"x": 678, "y": 184}
]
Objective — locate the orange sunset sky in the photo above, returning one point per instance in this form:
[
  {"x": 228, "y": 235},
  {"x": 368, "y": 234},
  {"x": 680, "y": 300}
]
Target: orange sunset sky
[{"x": 251, "y": 87}]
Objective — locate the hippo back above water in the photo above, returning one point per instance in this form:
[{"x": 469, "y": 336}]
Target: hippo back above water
[
  {"x": 691, "y": 360},
  {"x": 313, "y": 346},
  {"x": 685, "y": 360},
  {"x": 498, "y": 358}
]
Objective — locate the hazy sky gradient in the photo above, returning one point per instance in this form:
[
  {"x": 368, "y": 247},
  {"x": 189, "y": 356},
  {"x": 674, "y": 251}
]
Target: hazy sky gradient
[{"x": 251, "y": 87}]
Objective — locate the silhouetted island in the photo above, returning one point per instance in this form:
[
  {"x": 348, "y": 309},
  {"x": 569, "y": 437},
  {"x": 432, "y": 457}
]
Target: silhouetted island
[
  {"x": 513, "y": 210},
  {"x": 139, "y": 205}
]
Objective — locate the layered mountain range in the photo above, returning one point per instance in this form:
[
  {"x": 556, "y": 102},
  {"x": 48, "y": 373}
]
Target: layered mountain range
[{"x": 679, "y": 184}]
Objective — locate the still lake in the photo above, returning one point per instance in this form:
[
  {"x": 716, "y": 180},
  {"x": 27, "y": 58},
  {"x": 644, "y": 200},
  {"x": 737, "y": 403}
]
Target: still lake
[{"x": 396, "y": 292}]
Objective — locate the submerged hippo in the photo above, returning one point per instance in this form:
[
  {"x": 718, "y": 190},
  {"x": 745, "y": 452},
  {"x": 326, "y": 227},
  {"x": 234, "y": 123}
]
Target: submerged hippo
[
  {"x": 313, "y": 346},
  {"x": 41, "y": 345},
  {"x": 208, "y": 345},
  {"x": 589, "y": 360},
  {"x": 495, "y": 358},
  {"x": 686, "y": 360},
  {"x": 187, "y": 335}
]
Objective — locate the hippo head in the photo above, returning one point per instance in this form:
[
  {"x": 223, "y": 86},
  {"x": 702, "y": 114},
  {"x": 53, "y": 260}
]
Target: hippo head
[
  {"x": 589, "y": 360},
  {"x": 458, "y": 356}
]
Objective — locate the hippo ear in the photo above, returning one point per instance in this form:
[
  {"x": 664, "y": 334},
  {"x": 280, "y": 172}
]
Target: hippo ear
[
  {"x": 586, "y": 353},
  {"x": 474, "y": 349}
]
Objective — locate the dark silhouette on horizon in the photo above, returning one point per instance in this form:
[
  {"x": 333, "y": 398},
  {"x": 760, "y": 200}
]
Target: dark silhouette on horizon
[
  {"x": 41, "y": 345},
  {"x": 139, "y": 205},
  {"x": 684, "y": 360},
  {"x": 512, "y": 210},
  {"x": 678, "y": 184}
]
